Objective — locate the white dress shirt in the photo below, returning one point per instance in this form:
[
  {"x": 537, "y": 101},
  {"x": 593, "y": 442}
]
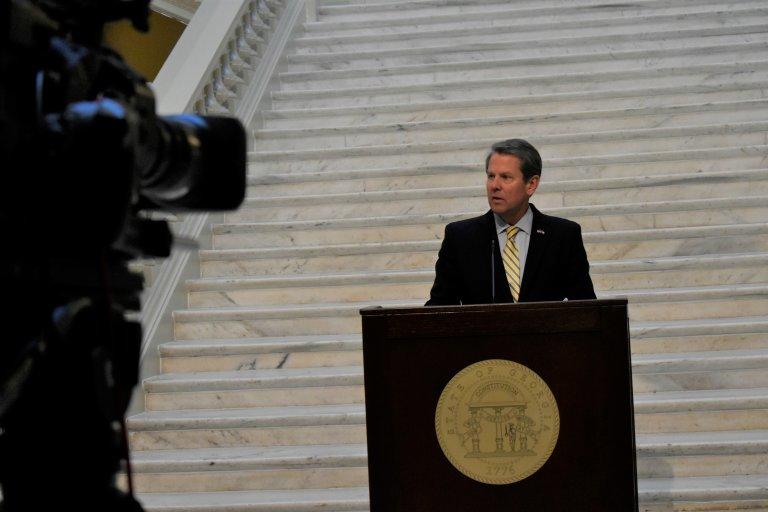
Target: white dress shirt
[{"x": 522, "y": 238}]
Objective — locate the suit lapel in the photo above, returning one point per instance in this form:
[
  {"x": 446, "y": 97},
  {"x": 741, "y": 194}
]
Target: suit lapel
[{"x": 536, "y": 248}]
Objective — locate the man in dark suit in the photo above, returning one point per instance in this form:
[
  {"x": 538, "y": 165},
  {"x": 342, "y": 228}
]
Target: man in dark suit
[{"x": 513, "y": 253}]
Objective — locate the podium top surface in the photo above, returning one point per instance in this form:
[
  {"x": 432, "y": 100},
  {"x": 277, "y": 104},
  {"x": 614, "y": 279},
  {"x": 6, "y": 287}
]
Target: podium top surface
[{"x": 409, "y": 310}]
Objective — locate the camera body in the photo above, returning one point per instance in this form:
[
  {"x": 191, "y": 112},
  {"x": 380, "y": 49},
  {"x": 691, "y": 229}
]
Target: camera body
[{"x": 84, "y": 159}]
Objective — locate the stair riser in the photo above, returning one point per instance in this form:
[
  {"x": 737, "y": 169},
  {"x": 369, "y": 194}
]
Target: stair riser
[
  {"x": 492, "y": 70},
  {"x": 690, "y": 379},
  {"x": 462, "y": 90},
  {"x": 695, "y": 421},
  {"x": 262, "y": 361},
  {"x": 462, "y": 33},
  {"x": 702, "y": 421},
  {"x": 652, "y": 42},
  {"x": 265, "y": 436},
  {"x": 403, "y": 233},
  {"x": 678, "y": 278},
  {"x": 689, "y": 310},
  {"x": 680, "y": 247},
  {"x": 475, "y": 177},
  {"x": 406, "y": 113},
  {"x": 472, "y": 202},
  {"x": 320, "y": 264},
  {"x": 218, "y": 481},
  {"x": 310, "y": 295},
  {"x": 189, "y": 329},
  {"x": 700, "y": 343},
  {"x": 241, "y": 398},
  {"x": 227, "y": 329},
  {"x": 494, "y": 10},
  {"x": 421, "y": 156},
  {"x": 481, "y": 130},
  {"x": 664, "y": 311},
  {"x": 185, "y": 364},
  {"x": 602, "y": 281},
  {"x": 702, "y": 465},
  {"x": 313, "y": 478},
  {"x": 645, "y": 248},
  {"x": 718, "y": 505},
  {"x": 696, "y": 380},
  {"x": 374, "y": 262},
  {"x": 299, "y": 184}
]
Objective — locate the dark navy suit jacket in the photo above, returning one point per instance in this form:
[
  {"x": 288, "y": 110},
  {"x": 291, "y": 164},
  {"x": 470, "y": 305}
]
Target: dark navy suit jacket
[{"x": 470, "y": 270}]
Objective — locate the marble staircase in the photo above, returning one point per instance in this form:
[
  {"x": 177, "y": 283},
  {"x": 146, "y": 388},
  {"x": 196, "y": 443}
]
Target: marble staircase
[{"x": 651, "y": 118}]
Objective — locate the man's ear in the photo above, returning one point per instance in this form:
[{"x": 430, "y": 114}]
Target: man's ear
[{"x": 532, "y": 184}]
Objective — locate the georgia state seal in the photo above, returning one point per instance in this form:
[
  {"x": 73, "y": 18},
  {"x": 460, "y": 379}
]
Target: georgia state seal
[{"x": 497, "y": 421}]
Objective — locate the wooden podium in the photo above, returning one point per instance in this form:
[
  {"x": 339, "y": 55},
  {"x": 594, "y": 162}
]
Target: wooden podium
[{"x": 580, "y": 349}]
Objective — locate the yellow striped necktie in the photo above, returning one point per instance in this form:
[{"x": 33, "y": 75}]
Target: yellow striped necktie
[{"x": 511, "y": 260}]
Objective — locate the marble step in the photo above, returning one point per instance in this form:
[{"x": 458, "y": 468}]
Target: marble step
[
  {"x": 724, "y": 71},
  {"x": 696, "y": 270},
  {"x": 723, "y": 165},
  {"x": 406, "y": 40},
  {"x": 482, "y": 67},
  {"x": 726, "y": 369},
  {"x": 609, "y": 244},
  {"x": 343, "y": 318},
  {"x": 260, "y": 353},
  {"x": 699, "y": 494},
  {"x": 671, "y": 411},
  {"x": 328, "y": 351},
  {"x": 607, "y": 276},
  {"x": 250, "y": 468},
  {"x": 566, "y": 145},
  {"x": 577, "y": 199},
  {"x": 547, "y": 47},
  {"x": 719, "y": 369},
  {"x": 491, "y": 126},
  {"x": 701, "y": 410},
  {"x": 260, "y": 426},
  {"x": 561, "y": 20},
  {"x": 324, "y": 466},
  {"x": 668, "y": 213},
  {"x": 353, "y": 499},
  {"x": 631, "y": 244},
  {"x": 396, "y": 13},
  {"x": 711, "y": 494},
  {"x": 504, "y": 104},
  {"x": 255, "y": 388},
  {"x": 645, "y": 304},
  {"x": 334, "y": 7}
]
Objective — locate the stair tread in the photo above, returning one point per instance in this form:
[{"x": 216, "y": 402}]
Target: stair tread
[
  {"x": 563, "y": 138},
  {"x": 572, "y": 77},
  {"x": 227, "y": 458},
  {"x": 242, "y": 379},
  {"x": 493, "y": 120},
  {"x": 651, "y": 489},
  {"x": 250, "y": 457},
  {"x": 235, "y": 418},
  {"x": 267, "y": 499},
  {"x": 460, "y": 65}
]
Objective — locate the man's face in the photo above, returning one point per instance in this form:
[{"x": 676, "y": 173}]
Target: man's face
[{"x": 508, "y": 192}]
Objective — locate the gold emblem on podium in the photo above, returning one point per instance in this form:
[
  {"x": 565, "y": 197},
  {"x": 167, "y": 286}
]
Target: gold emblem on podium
[{"x": 497, "y": 421}]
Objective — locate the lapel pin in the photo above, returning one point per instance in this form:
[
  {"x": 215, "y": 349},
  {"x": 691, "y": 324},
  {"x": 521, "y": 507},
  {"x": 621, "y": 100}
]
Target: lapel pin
[{"x": 540, "y": 231}]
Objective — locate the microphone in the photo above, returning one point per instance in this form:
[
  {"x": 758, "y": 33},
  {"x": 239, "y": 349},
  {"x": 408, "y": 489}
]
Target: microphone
[{"x": 493, "y": 271}]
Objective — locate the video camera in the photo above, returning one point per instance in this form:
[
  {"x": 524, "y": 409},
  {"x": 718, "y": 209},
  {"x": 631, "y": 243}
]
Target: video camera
[{"x": 84, "y": 158}]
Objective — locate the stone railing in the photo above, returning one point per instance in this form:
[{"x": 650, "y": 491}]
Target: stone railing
[{"x": 222, "y": 65}]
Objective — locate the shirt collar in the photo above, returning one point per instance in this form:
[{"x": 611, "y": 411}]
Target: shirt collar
[{"x": 525, "y": 223}]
